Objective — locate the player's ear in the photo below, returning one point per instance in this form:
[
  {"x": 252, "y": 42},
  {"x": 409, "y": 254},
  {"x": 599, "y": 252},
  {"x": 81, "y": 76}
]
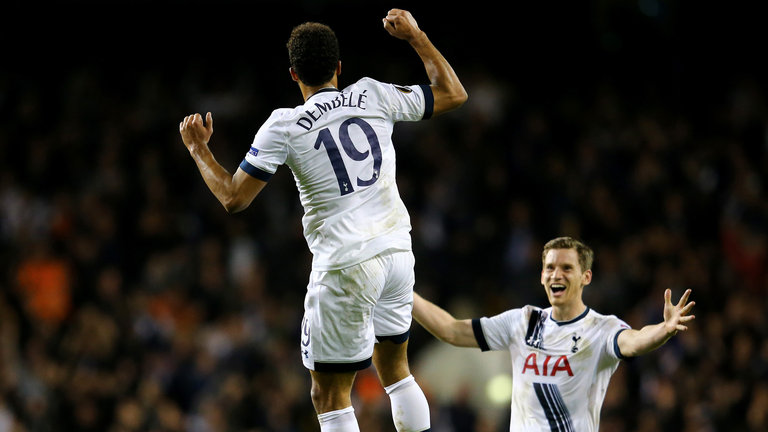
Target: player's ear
[
  {"x": 338, "y": 68},
  {"x": 294, "y": 75},
  {"x": 586, "y": 278}
]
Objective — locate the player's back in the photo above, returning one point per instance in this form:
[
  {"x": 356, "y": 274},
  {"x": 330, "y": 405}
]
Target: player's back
[{"x": 338, "y": 145}]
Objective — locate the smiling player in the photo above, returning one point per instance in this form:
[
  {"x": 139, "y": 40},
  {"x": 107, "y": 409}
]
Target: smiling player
[{"x": 563, "y": 356}]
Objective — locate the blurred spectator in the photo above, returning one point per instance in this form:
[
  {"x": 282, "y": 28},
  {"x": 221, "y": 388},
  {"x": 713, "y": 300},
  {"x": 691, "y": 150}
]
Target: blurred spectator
[{"x": 44, "y": 285}]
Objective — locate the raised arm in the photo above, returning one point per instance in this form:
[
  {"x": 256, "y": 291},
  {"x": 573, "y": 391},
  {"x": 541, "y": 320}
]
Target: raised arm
[
  {"x": 442, "y": 324},
  {"x": 234, "y": 192},
  {"x": 448, "y": 91},
  {"x": 638, "y": 342}
]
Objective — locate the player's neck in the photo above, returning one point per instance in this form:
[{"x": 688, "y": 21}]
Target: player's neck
[
  {"x": 568, "y": 312},
  {"x": 308, "y": 91}
]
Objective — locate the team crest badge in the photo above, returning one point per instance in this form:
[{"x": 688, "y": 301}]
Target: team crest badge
[{"x": 575, "y": 339}]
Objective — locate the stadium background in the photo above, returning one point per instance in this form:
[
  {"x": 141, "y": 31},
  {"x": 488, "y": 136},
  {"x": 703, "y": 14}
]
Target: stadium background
[{"x": 130, "y": 301}]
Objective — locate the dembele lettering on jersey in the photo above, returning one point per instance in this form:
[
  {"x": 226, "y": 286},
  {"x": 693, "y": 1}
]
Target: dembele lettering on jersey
[{"x": 343, "y": 100}]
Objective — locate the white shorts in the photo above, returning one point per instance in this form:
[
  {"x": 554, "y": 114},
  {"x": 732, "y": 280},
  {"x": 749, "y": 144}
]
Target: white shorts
[{"x": 347, "y": 311}]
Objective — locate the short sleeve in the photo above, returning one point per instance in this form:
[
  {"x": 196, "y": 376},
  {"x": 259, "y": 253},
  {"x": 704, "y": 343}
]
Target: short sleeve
[
  {"x": 612, "y": 328},
  {"x": 499, "y": 331},
  {"x": 268, "y": 151},
  {"x": 408, "y": 103}
]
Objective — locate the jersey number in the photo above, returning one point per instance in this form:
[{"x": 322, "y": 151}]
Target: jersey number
[{"x": 325, "y": 138}]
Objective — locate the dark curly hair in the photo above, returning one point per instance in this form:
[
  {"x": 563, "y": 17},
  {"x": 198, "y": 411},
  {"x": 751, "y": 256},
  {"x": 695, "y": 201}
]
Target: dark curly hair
[{"x": 313, "y": 52}]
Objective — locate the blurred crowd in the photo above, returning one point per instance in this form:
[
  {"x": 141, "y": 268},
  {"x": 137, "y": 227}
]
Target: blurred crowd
[{"x": 131, "y": 301}]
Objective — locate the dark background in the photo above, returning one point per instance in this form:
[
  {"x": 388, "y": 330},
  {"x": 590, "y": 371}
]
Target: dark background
[{"x": 131, "y": 301}]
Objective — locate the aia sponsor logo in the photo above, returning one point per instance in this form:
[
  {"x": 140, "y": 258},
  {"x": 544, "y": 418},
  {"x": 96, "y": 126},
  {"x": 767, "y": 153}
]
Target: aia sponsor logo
[{"x": 548, "y": 366}]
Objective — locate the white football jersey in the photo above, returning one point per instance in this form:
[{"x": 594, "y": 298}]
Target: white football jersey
[
  {"x": 338, "y": 145},
  {"x": 561, "y": 370}
]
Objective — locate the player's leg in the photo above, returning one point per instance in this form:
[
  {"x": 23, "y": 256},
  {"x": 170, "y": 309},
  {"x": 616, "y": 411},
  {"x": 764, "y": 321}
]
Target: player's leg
[
  {"x": 392, "y": 321},
  {"x": 410, "y": 409},
  {"x": 337, "y": 341},
  {"x": 331, "y": 397},
  {"x": 391, "y": 361}
]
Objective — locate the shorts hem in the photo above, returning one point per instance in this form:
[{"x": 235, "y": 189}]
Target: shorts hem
[
  {"x": 397, "y": 339},
  {"x": 342, "y": 367}
]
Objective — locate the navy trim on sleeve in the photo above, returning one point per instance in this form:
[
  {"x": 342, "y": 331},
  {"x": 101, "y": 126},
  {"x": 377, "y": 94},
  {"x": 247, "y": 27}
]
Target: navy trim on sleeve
[
  {"x": 616, "y": 345},
  {"x": 255, "y": 172},
  {"x": 477, "y": 328},
  {"x": 429, "y": 101}
]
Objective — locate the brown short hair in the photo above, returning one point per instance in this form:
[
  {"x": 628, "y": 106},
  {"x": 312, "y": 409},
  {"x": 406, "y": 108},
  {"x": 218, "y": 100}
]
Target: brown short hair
[{"x": 585, "y": 253}]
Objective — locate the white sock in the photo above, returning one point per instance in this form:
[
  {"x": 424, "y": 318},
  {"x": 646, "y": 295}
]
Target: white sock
[
  {"x": 342, "y": 420},
  {"x": 410, "y": 410}
]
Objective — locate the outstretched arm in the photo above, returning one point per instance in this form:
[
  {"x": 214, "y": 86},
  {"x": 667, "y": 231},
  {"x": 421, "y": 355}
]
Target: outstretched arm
[
  {"x": 638, "y": 342},
  {"x": 442, "y": 324},
  {"x": 448, "y": 91},
  {"x": 235, "y": 192}
]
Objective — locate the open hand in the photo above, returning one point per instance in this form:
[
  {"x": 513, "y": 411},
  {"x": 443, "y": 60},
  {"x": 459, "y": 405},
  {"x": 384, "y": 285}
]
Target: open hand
[{"x": 676, "y": 316}]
